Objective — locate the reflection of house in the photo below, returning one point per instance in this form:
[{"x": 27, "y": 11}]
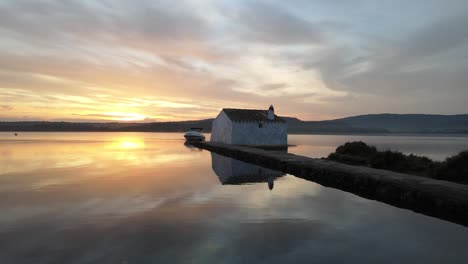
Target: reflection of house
[
  {"x": 249, "y": 127},
  {"x": 231, "y": 171}
]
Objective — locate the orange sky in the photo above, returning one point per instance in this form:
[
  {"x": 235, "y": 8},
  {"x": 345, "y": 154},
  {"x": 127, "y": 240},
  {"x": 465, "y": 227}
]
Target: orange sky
[{"x": 167, "y": 60}]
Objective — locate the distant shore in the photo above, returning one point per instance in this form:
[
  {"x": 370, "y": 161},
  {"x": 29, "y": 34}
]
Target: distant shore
[
  {"x": 378, "y": 124},
  {"x": 289, "y": 133}
]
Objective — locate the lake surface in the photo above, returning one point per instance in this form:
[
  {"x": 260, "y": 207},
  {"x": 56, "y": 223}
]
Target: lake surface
[{"x": 148, "y": 198}]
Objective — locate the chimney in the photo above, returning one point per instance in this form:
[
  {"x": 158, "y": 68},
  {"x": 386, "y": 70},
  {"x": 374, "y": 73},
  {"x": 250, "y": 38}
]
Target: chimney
[{"x": 271, "y": 113}]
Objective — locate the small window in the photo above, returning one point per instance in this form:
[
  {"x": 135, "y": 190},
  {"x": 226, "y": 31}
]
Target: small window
[{"x": 260, "y": 125}]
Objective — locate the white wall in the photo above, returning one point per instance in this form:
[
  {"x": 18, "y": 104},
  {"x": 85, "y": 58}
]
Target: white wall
[
  {"x": 251, "y": 134},
  {"x": 221, "y": 130},
  {"x": 248, "y": 133}
]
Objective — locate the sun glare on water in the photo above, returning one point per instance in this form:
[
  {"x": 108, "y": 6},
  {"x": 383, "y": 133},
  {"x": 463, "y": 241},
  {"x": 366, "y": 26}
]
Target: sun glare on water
[{"x": 128, "y": 143}]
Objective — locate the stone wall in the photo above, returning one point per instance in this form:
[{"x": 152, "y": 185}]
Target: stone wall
[
  {"x": 259, "y": 134},
  {"x": 441, "y": 199},
  {"x": 221, "y": 129},
  {"x": 248, "y": 133}
]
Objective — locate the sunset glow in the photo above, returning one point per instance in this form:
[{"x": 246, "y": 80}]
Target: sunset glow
[
  {"x": 184, "y": 60},
  {"x": 125, "y": 116}
]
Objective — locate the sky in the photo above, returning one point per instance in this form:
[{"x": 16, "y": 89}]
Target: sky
[{"x": 118, "y": 60}]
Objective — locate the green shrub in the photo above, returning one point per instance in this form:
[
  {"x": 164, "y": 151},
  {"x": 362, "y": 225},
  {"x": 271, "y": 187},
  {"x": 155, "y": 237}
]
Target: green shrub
[
  {"x": 357, "y": 148},
  {"x": 389, "y": 160},
  {"x": 353, "y": 153},
  {"x": 359, "y": 153},
  {"x": 421, "y": 164},
  {"x": 397, "y": 161},
  {"x": 348, "y": 159},
  {"x": 454, "y": 168}
]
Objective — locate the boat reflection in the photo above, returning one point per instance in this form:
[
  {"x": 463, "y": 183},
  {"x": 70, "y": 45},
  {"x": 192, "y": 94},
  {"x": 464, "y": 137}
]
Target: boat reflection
[
  {"x": 235, "y": 172},
  {"x": 191, "y": 147}
]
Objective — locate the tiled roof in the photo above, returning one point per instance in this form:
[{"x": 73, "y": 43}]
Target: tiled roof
[{"x": 250, "y": 115}]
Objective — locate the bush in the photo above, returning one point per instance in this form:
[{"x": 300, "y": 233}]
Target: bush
[
  {"x": 389, "y": 160},
  {"x": 421, "y": 164},
  {"x": 397, "y": 161},
  {"x": 353, "y": 153},
  {"x": 357, "y": 148},
  {"x": 359, "y": 153},
  {"x": 349, "y": 159},
  {"x": 454, "y": 168}
]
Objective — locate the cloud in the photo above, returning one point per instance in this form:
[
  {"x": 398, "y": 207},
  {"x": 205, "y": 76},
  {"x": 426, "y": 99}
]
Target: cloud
[
  {"x": 160, "y": 20},
  {"x": 421, "y": 71},
  {"x": 199, "y": 56},
  {"x": 275, "y": 25},
  {"x": 273, "y": 86},
  {"x": 6, "y": 107},
  {"x": 437, "y": 38}
]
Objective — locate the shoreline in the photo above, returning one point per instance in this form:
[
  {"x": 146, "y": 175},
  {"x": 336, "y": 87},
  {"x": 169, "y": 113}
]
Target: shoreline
[{"x": 289, "y": 133}]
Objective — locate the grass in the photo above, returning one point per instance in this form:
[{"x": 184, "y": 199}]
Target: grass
[{"x": 454, "y": 168}]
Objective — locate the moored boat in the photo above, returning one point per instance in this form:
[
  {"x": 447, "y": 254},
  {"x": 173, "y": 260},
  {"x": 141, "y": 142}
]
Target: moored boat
[{"x": 194, "y": 134}]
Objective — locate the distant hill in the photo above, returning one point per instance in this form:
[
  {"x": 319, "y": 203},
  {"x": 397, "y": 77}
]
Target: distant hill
[
  {"x": 410, "y": 123},
  {"x": 106, "y": 127},
  {"x": 297, "y": 126},
  {"x": 375, "y": 123}
]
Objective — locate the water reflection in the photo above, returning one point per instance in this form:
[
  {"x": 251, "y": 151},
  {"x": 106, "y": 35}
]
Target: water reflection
[
  {"x": 191, "y": 147},
  {"x": 128, "y": 143},
  {"x": 235, "y": 172},
  {"x": 90, "y": 198}
]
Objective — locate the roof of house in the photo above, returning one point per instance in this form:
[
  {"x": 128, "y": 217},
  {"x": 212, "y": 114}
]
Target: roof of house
[{"x": 250, "y": 115}]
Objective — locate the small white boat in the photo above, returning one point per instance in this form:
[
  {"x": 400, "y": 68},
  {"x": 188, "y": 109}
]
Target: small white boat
[{"x": 194, "y": 134}]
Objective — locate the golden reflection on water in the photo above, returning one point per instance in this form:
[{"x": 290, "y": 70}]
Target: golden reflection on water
[
  {"x": 72, "y": 196},
  {"x": 97, "y": 166},
  {"x": 128, "y": 143},
  {"x": 97, "y": 150}
]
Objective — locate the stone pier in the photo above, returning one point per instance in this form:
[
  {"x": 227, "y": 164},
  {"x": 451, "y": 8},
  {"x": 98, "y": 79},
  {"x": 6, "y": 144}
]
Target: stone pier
[{"x": 441, "y": 199}]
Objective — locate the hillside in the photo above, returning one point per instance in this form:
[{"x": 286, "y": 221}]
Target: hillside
[
  {"x": 410, "y": 123},
  {"x": 106, "y": 127},
  {"x": 297, "y": 126},
  {"x": 375, "y": 123}
]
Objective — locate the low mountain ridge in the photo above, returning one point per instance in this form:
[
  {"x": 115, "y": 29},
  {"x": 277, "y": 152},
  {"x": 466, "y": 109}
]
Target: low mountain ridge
[
  {"x": 410, "y": 123},
  {"x": 372, "y": 123}
]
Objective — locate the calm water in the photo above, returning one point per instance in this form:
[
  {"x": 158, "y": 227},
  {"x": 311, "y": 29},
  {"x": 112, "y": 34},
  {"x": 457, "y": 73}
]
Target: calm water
[{"x": 147, "y": 198}]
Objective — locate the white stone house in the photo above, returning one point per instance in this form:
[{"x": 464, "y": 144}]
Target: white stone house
[{"x": 249, "y": 127}]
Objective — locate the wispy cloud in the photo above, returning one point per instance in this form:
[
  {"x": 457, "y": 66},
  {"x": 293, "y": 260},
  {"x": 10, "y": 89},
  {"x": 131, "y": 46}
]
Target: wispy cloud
[
  {"x": 169, "y": 60},
  {"x": 6, "y": 107}
]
